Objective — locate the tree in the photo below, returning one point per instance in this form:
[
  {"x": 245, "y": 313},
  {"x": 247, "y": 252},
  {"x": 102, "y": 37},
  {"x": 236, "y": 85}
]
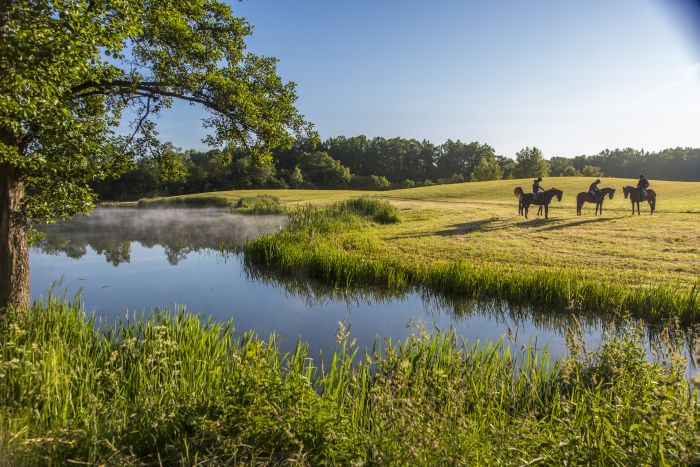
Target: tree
[
  {"x": 69, "y": 70},
  {"x": 460, "y": 158},
  {"x": 557, "y": 166},
  {"x": 321, "y": 170},
  {"x": 486, "y": 169},
  {"x": 591, "y": 171},
  {"x": 296, "y": 180},
  {"x": 530, "y": 163},
  {"x": 570, "y": 171},
  {"x": 251, "y": 172}
]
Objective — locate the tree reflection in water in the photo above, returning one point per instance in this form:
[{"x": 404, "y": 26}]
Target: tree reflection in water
[{"x": 110, "y": 232}]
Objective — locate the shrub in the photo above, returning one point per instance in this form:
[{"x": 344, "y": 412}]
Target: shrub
[
  {"x": 380, "y": 212},
  {"x": 261, "y": 204}
]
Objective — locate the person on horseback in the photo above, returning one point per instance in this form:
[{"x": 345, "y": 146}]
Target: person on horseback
[
  {"x": 593, "y": 190},
  {"x": 642, "y": 186},
  {"x": 537, "y": 188}
]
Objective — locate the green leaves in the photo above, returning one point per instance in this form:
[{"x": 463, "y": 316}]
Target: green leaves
[{"x": 69, "y": 69}]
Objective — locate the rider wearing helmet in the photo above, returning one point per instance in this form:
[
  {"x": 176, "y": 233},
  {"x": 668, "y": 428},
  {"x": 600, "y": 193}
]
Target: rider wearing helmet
[
  {"x": 642, "y": 186},
  {"x": 593, "y": 190}
]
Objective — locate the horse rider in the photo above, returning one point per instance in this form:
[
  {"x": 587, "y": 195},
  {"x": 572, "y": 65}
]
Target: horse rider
[
  {"x": 593, "y": 190},
  {"x": 642, "y": 186},
  {"x": 537, "y": 188}
]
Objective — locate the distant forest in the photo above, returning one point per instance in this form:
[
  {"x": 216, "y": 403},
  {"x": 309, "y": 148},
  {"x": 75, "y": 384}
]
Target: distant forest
[{"x": 379, "y": 163}]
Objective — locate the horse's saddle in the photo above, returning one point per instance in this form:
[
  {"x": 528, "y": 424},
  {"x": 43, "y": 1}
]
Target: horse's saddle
[{"x": 643, "y": 195}]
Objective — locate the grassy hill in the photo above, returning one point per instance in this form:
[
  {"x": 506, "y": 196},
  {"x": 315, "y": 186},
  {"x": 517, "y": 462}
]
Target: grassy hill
[{"x": 672, "y": 196}]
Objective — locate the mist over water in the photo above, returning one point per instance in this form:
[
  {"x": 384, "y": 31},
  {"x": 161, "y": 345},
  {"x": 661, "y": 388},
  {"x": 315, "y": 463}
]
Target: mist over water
[
  {"x": 132, "y": 261},
  {"x": 111, "y": 231}
]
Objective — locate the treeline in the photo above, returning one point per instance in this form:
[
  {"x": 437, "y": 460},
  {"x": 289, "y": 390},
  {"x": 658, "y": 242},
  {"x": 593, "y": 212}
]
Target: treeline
[{"x": 378, "y": 163}]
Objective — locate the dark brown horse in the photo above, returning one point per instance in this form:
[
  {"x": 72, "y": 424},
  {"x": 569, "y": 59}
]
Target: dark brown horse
[
  {"x": 635, "y": 195},
  {"x": 521, "y": 205},
  {"x": 585, "y": 197},
  {"x": 526, "y": 199}
]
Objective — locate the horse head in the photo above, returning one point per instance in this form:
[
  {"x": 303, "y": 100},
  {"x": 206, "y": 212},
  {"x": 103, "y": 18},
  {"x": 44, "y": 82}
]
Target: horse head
[
  {"x": 609, "y": 191},
  {"x": 558, "y": 193},
  {"x": 518, "y": 191},
  {"x": 626, "y": 190}
]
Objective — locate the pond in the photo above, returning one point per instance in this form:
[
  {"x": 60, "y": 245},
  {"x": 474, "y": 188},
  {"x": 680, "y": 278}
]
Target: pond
[{"x": 126, "y": 261}]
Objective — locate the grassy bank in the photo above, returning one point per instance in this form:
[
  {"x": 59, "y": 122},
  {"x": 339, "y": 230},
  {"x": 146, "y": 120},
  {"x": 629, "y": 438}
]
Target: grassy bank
[
  {"x": 173, "y": 389},
  {"x": 477, "y": 223},
  {"x": 258, "y": 204},
  {"x": 327, "y": 243}
]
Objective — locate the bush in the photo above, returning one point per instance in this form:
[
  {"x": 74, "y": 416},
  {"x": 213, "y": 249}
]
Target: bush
[
  {"x": 454, "y": 178},
  {"x": 380, "y": 212},
  {"x": 261, "y": 204},
  {"x": 369, "y": 182},
  {"x": 182, "y": 201}
]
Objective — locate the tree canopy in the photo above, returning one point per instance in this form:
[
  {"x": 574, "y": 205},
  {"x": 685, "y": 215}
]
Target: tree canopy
[{"x": 71, "y": 70}]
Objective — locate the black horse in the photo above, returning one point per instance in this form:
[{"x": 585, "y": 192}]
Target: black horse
[
  {"x": 526, "y": 199},
  {"x": 635, "y": 195},
  {"x": 585, "y": 197}
]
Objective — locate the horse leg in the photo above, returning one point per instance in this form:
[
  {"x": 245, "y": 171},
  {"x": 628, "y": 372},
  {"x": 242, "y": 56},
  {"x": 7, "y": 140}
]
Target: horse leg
[
  {"x": 578, "y": 208},
  {"x": 546, "y": 211}
]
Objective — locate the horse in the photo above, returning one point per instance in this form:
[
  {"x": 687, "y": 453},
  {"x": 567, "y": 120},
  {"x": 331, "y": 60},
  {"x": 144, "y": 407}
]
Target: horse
[
  {"x": 521, "y": 206},
  {"x": 636, "y": 196},
  {"x": 584, "y": 197},
  {"x": 526, "y": 199}
]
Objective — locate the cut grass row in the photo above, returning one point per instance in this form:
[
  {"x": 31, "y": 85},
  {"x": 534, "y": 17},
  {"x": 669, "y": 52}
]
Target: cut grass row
[{"x": 175, "y": 390}]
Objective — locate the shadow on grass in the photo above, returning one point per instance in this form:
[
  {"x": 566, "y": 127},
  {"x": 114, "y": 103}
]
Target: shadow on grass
[
  {"x": 482, "y": 225},
  {"x": 559, "y": 224}
]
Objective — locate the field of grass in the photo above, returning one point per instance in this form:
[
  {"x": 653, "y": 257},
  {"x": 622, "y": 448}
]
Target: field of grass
[
  {"x": 477, "y": 224},
  {"x": 173, "y": 390}
]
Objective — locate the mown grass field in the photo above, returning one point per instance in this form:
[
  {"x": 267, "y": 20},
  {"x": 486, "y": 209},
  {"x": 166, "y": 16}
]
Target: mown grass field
[{"x": 478, "y": 223}]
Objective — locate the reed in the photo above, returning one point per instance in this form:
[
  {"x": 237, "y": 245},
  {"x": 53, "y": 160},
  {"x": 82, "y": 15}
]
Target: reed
[{"x": 174, "y": 388}]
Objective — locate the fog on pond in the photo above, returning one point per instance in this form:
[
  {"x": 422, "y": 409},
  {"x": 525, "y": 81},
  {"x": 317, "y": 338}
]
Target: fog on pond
[{"x": 136, "y": 260}]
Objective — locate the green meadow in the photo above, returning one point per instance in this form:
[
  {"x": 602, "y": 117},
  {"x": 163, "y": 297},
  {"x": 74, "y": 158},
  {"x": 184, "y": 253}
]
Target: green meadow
[{"x": 644, "y": 265}]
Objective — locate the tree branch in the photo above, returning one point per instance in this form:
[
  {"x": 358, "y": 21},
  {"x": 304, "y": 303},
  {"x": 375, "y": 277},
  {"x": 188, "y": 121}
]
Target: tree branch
[
  {"x": 154, "y": 89},
  {"x": 140, "y": 122}
]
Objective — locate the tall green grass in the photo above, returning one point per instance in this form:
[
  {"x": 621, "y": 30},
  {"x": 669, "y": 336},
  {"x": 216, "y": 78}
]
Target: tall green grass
[
  {"x": 307, "y": 245},
  {"x": 176, "y": 389},
  {"x": 261, "y": 204}
]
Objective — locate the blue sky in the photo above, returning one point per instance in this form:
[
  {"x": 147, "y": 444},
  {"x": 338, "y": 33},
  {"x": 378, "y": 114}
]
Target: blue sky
[{"x": 570, "y": 77}]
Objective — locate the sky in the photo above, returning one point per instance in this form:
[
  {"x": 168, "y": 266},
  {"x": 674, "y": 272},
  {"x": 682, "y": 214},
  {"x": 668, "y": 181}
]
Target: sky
[{"x": 570, "y": 77}]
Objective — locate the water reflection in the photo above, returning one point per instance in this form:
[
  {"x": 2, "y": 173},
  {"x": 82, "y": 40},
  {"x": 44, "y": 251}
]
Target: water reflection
[
  {"x": 165, "y": 258},
  {"x": 111, "y": 231}
]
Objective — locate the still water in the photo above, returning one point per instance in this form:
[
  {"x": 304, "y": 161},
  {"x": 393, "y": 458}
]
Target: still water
[{"x": 126, "y": 261}]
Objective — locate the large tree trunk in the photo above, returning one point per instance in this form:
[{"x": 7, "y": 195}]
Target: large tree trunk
[{"x": 14, "y": 251}]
